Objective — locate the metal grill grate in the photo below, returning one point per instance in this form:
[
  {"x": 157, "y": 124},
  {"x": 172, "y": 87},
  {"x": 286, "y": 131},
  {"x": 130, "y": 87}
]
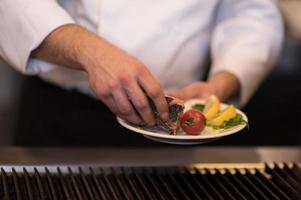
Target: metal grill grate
[{"x": 280, "y": 181}]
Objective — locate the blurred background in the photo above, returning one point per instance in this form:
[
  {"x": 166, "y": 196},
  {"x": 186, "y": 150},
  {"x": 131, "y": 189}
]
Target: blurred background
[{"x": 274, "y": 112}]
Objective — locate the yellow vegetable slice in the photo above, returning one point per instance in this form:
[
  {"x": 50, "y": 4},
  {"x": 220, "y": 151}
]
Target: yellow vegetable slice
[
  {"x": 223, "y": 116},
  {"x": 211, "y": 108}
]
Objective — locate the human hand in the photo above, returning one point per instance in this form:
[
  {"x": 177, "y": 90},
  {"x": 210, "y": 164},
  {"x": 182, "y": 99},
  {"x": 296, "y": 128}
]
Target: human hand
[
  {"x": 223, "y": 84},
  {"x": 123, "y": 83},
  {"x": 199, "y": 90},
  {"x": 118, "y": 79}
]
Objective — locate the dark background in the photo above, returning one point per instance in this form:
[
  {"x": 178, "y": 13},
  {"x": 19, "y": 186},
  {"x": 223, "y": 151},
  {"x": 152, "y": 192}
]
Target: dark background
[{"x": 274, "y": 111}]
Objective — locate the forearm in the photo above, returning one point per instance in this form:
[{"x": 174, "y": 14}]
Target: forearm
[
  {"x": 246, "y": 42},
  {"x": 224, "y": 84},
  {"x": 66, "y": 46}
]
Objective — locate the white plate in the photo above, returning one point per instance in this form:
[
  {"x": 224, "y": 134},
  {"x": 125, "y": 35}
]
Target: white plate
[{"x": 208, "y": 134}]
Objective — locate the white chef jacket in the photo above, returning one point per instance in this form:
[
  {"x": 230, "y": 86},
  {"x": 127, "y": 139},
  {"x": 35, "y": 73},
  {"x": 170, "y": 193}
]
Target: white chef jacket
[{"x": 171, "y": 37}]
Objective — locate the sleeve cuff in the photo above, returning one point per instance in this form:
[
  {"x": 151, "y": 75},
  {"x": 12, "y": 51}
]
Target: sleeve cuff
[
  {"x": 249, "y": 53},
  {"x": 250, "y": 67}
]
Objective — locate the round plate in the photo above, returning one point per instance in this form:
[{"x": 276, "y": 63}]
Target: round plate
[{"x": 208, "y": 134}]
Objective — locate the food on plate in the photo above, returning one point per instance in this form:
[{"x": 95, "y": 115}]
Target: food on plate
[
  {"x": 212, "y": 106},
  {"x": 198, "y": 106},
  {"x": 198, "y": 116},
  {"x": 193, "y": 122},
  {"x": 232, "y": 122},
  {"x": 217, "y": 118},
  {"x": 176, "y": 108},
  {"x": 192, "y": 127},
  {"x": 223, "y": 116}
]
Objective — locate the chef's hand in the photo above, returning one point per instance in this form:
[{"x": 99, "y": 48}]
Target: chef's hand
[
  {"x": 118, "y": 79},
  {"x": 222, "y": 84},
  {"x": 122, "y": 82}
]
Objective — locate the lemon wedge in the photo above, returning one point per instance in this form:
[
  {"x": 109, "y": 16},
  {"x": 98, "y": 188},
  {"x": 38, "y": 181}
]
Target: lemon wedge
[
  {"x": 211, "y": 108},
  {"x": 223, "y": 116}
]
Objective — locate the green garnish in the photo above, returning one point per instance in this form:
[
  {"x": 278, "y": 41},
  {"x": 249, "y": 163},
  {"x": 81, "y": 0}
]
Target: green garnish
[
  {"x": 189, "y": 122},
  {"x": 199, "y": 107},
  {"x": 237, "y": 120}
]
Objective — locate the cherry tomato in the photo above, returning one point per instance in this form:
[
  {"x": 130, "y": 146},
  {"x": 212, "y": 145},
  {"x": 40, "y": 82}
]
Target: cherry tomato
[{"x": 193, "y": 122}]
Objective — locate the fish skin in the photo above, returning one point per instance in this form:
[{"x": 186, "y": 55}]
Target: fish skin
[{"x": 176, "y": 108}]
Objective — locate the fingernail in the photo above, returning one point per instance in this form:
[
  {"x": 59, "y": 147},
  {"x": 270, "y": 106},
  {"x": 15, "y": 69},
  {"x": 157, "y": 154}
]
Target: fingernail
[{"x": 165, "y": 116}]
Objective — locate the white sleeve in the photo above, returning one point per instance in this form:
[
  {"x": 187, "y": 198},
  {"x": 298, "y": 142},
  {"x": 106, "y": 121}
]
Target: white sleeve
[
  {"x": 24, "y": 24},
  {"x": 246, "y": 42}
]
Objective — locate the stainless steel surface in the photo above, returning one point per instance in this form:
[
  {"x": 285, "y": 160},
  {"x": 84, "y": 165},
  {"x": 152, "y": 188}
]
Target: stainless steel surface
[{"x": 144, "y": 156}]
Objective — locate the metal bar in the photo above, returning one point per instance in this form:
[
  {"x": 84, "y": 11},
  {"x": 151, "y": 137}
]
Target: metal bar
[
  {"x": 1, "y": 187},
  {"x": 215, "y": 193},
  {"x": 75, "y": 185},
  {"x": 64, "y": 185},
  {"x": 28, "y": 184},
  {"x": 272, "y": 186},
  {"x": 281, "y": 182},
  {"x": 86, "y": 186},
  {"x": 252, "y": 186},
  {"x": 5, "y": 184},
  {"x": 16, "y": 184},
  {"x": 108, "y": 184},
  {"x": 127, "y": 186},
  {"x": 34, "y": 185},
  {"x": 164, "y": 185},
  {"x": 293, "y": 172},
  {"x": 148, "y": 173},
  {"x": 229, "y": 184},
  {"x": 241, "y": 185},
  {"x": 197, "y": 185},
  {"x": 219, "y": 184},
  {"x": 46, "y": 187},
  {"x": 129, "y": 180},
  {"x": 297, "y": 169},
  {"x": 80, "y": 185},
  {"x": 58, "y": 186},
  {"x": 69, "y": 183},
  {"x": 142, "y": 185},
  {"x": 284, "y": 173},
  {"x": 187, "y": 185},
  {"x": 100, "y": 189},
  {"x": 122, "y": 187},
  {"x": 178, "y": 188},
  {"x": 40, "y": 186},
  {"x": 270, "y": 194},
  {"x": 114, "y": 185},
  {"x": 51, "y": 186}
]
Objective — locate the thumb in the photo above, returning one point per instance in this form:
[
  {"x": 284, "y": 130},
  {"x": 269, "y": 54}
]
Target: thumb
[{"x": 180, "y": 94}]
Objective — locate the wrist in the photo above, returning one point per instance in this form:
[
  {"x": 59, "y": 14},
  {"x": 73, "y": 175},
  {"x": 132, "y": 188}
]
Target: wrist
[
  {"x": 224, "y": 84},
  {"x": 88, "y": 51}
]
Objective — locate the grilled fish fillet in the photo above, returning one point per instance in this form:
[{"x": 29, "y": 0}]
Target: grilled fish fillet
[{"x": 176, "y": 108}]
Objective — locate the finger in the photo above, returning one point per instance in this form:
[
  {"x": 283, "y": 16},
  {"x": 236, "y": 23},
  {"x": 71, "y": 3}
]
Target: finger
[
  {"x": 110, "y": 103},
  {"x": 176, "y": 94},
  {"x": 125, "y": 108},
  {"x": 154, "y": 91},
  {"x": 140, "y": 102},
  {"x": 182, "y": 94},
  {"x": 188, "y": 92}
]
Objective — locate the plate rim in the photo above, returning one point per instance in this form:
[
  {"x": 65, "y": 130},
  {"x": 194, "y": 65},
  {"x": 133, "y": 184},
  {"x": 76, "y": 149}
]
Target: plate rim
[{"x": 187, "y": 137}]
